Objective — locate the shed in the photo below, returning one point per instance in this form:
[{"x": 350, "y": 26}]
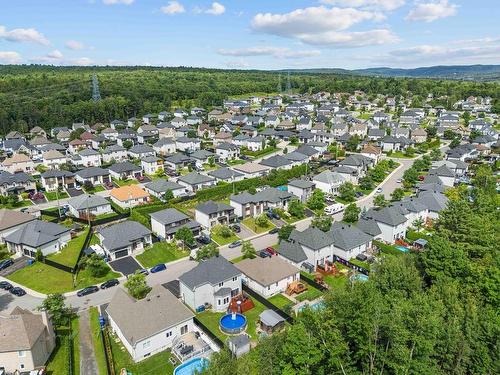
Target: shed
[
  {"x": 239, "y": 345},
  {"x": 270, "y": 321}
]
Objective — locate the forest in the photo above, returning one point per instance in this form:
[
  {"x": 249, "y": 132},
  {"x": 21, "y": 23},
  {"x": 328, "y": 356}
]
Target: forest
[
  {"x": 433, "y": 312},
  {"x": 49, "y": 96}
]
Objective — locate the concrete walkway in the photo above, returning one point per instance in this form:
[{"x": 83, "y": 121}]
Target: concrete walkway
[{"x": 88, "y": 363}]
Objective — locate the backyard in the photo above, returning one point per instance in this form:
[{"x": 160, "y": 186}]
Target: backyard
[
  {"x": 280, "y": 301},
  {"x": 68, "y": 256},
  {"x": 125, "y": 182},
  {"x": 54, "y": 195},
  {"x": 95, "y": 328},
  {"x": 161, "y": 252}
]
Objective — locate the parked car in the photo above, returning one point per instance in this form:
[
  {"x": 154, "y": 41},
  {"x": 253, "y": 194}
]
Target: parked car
[
  {"x": 140, "y": 178},
  {"x": 235, "y": 244},
  {"x": 143, "y": 271},
  {"x": 87, "y": 290},
  {"x": 243, "y": 157},
  {"x": 421, "y": 178},
  {"x": 399, "y": 180},
  {"x": 236, "y": 228},
  {"x": 264, "y": 254},
  {"x": 274, "y": 230},
  {"x": 17, "y": 291},
  {"x": 109, "y": 283},
  {"x": 158, "y": 268},
  {"x": 78, "y": 187},
  {"x": 379, "y": 190},
  {"x": 5, "y": 285},
  {"x": 6, "y": 263},
  {"x": 271, "y": 250},
  {"x": 204, "y": 240},
  {"x": 358, "y": 194}
]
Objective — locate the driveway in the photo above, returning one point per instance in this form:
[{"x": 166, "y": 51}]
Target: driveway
[
  {"x": 278, "y": 222},
  {"x": 245, "y": 232},
  {"x": 18, "y": 264},
  {"x": 125, "y": 265},
  {"x": 88, "y": 363},
  {"x": 72, "y": 192}
]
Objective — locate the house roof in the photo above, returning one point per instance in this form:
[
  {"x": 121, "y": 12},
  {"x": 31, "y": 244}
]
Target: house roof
[
  {"x": 125, "y": 166},
  {"x": 211, "y": 271},
  {"x": 125, "y": 193},
  {"x": 267, "y": 271},
  {"x": 169, "y": 216},
  {"x": 118, "y": 236},
  {"x": 140, "y": 319},
  {"x": 329, "y": 177},
  {"x": 20, "y": 330},
  {"x": 224, "y": 174},
  {"x": 16, "y": 158},
  {"x": 302, "y": 184},
  {"x": 36, "y": 233},
  {"x": 275, "y": 161},
  {"x": 307, "y": 150},
  {"x": 141, "y": 149},
  {"x": 312, "y": 238},
  {"x": 161, "y": 185},
  {"x": 92, "y": 172},
  {"x": 386, "y": 215},
  {"x": 270, "y": 318},
  {"x": 194, "y": 178},
  {"x": 202, "y": 154},
  {"x": 347, "y": 237},
  {"x": 11, "y": 218},
  {"x": 250, "y": 168},
  {"x": 211, "y": 207},
  {"x": 52, "y": 154},
  {"x": 296, "y": 156},
  {"x": 292, "y": 251},
  {"x": 85, "y": 201},
  {"x": 434, "y": 201}
]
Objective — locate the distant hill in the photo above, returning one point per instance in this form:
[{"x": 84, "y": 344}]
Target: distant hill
[{"x": 460, "y": 72}]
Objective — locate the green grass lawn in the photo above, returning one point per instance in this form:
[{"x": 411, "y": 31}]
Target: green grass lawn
[
  {"x": 221, "y": 241},
  {"x": 97, "y": 341},
  {"x": 335, "y": 282},
  {"x": 53, "y": 195},
  {"x": 359, "y": 263},
  {"x": 261, "y": 153},
  {"x": 94, "y": 240},
  {"x": 364, "y": 116},
  {"x": 68, "y": 256},
  {"x": 160, "y": 252},
  {"x": 157, "y": 364},
  {"x": 310, "y": 294},
  {"x": 237, "y": 259},
  {"x": 249, "y": 222},
  {"x": 280, "y": 301},
  {"x": 95, "y": 189},
  {"x": 236, "y": 162},
  {"x": 207, "y": 167},
  {"x": 58, "y": 361},
  {"x": 46, "y": 279},
  {"x": 21, "y": 203},
  {"x": 125, "y": 182},
  {"x": 400, "y": 155}
]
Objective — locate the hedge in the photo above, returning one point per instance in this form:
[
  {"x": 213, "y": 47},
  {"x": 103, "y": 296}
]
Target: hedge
[
  {"x": 387, "y": 249},
  {"x": 141, "y": 213}
]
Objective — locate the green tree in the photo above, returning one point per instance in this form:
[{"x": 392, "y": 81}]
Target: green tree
[
  {"x": 96, "y": 265},
  {"x": 55, "y": 306},
  {"x": 224, "y": 231},
  {"x": 39, "y": 255},
  {"x": 410, "y": 177},
  {"x": 436, "y": 154},
  {"x": 347, "y": 192},
  {"x": 137, "y": 286},
  {"x": 379, "y": 201},
  {"x": 127, "y": 144},
  {"x": 366, "y": 183},
  {"x": 397, "y": 194},
  {"x": 168, "y": 195},
  {"x": 418, "y": 224},
  {"x": 285, "y": 231},
  {"x": 317, "y": 200},
  {"x": 247, "y": 250},
  {"x": 208, "y": 251},
  {"x": 211, "y": 161},
  {"x": 353, "y": 143},
  {"x": 296, "y": 209},
  {"x": 351, "y": 213},
  {"x": 322, "y": 222},
  {"x": 262, "y": 221},
  {"x": 184, "y": 235}
]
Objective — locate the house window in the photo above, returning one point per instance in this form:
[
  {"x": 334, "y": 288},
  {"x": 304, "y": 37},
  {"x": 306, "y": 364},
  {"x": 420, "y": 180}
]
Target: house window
[
  {"x": 21, "y": 366},
  {"x": 21, "y": 353},
  {"x": 169, "y": 334},
  {"x": 218, "y": 302},
  {"x": 226, "y": 300},
  {"x": 235, "y": 278},
  {"x": 184, "y": 329},
  {"x": 146, "y": 345},
  {"x": 221, "y": 284}
]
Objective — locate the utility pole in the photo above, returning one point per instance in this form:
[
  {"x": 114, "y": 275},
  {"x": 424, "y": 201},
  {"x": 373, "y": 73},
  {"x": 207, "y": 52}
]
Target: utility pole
[
  {"x": 280, "y": 89},
  {"x": 96, "y": 95},
  {"x": 288, "y": 84}
]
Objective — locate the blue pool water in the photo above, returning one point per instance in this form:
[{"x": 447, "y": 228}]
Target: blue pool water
[
  {"x": 402, "y": 248},
  {"x": 359, "y": 277},
  {"x": 191, "y": 367},
  {"x": 233, "y": 323},
  {"x": 314, "y": 306}
]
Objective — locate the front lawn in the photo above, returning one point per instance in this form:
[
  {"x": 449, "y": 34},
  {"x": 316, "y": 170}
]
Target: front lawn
[
  {"x": 125, "y": 182},
  {"x": 68, "y": 256},
  {"x": 21, "y": 203},
  {"x": 249, "y": 222},
  {"x": 160, "y": 252},
  {"x": 280, "y": 301},
  {"x": 157, "y": 364},
  {"x": 207, "y": 167},
  {"x": 261, "y": 153},
  {"x": 99, "y": 349},
  {"x": 400, "y": 155},
  {"x": 235, "y": 162},
  {"x": 237, "y": 259},
  {"x": 94, "y": 189},
  {"x": 221, "y": 241},
  {"x": 54, "y": 195},
  {"x": 58, "y": 361}
]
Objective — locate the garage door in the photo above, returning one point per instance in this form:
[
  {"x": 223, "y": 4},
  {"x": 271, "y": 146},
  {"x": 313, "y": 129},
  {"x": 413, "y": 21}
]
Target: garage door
[{"x": 121, "y": 254}]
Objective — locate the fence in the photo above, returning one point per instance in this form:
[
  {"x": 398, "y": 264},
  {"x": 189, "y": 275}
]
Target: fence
[
  {"x": 268, "y": 304},
  {"x": 312, "y": 283},
  {"x": 209, "y": 333},
  {"x": 108, "y": 353},
  {"x": 59, "y": 266},
  {"x": 355, "y": 267}
]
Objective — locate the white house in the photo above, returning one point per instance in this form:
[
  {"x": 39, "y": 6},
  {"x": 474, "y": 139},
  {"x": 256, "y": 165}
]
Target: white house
[
  {"x": 11, "y": 220},
  {"x": 227, "y": 151},
  {"x": 328, "y": 181},
  {"x": 391, "y": 223},
  {"x": 210, "y": 214},
  {"x": 114, "y": 153},
  {"x": 252, "y": 205},
  {"x": 187, "y": 144},
  {"x": 85, "y": 204}
]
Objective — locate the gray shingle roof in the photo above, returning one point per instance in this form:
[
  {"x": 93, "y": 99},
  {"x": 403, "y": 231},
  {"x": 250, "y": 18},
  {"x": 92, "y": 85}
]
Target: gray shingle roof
[
  {"x": 292, "y": 251},
  {"x": 225, "y": 174},
  {"x": 37, "y": 233},
  {"x": 386, "y": 215},
  {"x": 347, "y": 237},
  {"x": 211, "y": 271},
  {"x": 275, "y": 161},
  {"x": 92, "y": 172},
  {"x": 303, "y": 184},
  {"x": 169, "y": 216},
  {"x": 125, "y": 166},
  {"x": 211, "y": 207},
  {"x": 118, "y": 236},
  {"x": 161, "y": 185},
  {"x": 194, "y": 178},
  {"x": 312, "y": 238},
  {"x": 87, "y": 201}
]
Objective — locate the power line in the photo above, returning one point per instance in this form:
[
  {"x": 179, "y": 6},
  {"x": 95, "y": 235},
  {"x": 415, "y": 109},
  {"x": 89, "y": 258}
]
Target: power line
[{"x": 96, "y": 95}]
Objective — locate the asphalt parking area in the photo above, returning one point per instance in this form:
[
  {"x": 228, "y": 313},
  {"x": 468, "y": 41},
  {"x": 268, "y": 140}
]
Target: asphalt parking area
[
  {"x": 74, "y": 192},
  {"x": 18, "y": 264},
  {"x": 126, "y": 265},
  {"x": 245, "y": 232}
]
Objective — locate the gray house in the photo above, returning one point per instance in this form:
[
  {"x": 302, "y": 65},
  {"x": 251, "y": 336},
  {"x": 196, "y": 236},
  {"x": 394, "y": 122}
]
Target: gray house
[
  {"x": 166, "y": 223},
  {"x": 125, "y": 238}
]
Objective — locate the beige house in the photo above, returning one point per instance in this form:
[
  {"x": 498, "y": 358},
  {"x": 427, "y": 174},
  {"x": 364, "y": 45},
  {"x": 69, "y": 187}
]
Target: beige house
[
  {"x": 18, "y": 163},
  {"x": 53, "y": 159},
  {"x": 419, "y": 135},
  {"x": 27, "y": 340}
]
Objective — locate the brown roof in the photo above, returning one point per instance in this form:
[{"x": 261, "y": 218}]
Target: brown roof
[
  {"x": 52, "y": 154},
  {"x": 267, "y": 271},
  {"x": 16, "y": 158},
  {"x": 250, "y": 167},
  {"x": 125, "y": 193},
  {"x": 223, "y": 135},
  {"x": 371, "y": 149},
  {"x": 11, "y": 218},
  {"x": 20, "y": 330}
]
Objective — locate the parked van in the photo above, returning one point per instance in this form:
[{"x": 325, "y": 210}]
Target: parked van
[{"x": 334, "y": 209}]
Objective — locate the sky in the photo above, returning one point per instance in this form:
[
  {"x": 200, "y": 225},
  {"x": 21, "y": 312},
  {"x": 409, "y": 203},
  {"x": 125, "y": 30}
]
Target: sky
[{"x": 251, "y": 34}]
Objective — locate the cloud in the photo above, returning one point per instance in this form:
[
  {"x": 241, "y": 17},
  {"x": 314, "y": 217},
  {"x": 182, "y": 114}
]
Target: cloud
[
  {"x": 113, "y": 2},
  {"x": 432, "y": 11},
  {"x": 324, "y": 26},
  {"x": 278, "y": 52},
  {"x": 23, "y": 35},
  {"x": 81, "y": 61},
  {"x": 74, "y": 45},
  {"x": 216, "y": 9},
  {"x": 237, "y": 64},
  {"x": 10, "y": 57},
  {"x": 173, "y": 7},
  {"x": 55, "y": 54},
  {"x": 386, "y": 5}
]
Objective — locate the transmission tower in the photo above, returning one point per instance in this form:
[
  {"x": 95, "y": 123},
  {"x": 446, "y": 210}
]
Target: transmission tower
[
  {"x": 280, "y": 89},
  {"x": 96, "y": 95},
  {"x": 288, "y": 84}
]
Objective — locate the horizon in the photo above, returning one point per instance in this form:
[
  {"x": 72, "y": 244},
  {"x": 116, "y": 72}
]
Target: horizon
[{"x": 324, "y": 34}]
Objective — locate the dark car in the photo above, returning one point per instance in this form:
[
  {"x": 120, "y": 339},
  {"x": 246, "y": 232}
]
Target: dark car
[
  {"x": 143, "y": 271},
  {"x": 235, "y": 244},
  {"x": 236, "y": 228},
  {"x": 264, "y": 254},
  {"x": 204, "y": 240},
  {"x": 18, "y": 291},
  {"x": 243, "y": 157},
  {"x": 276, "y": 215},
  {"x": 6, "y": 263},
  {"x": 109, "y": 283},
  {"x": 358, "y": 194},
  {"x": 87, "y": 290},
  {"x": 274, "y": 230},
  {"x": 5, "y": 285},
  {"x": 158, "y": 268}
]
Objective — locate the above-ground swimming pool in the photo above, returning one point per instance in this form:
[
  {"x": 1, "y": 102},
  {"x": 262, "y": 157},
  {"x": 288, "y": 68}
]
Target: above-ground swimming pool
[
  {"x": 193, "y": 366},
  {"x": 233, "y": 323},
  {"x": 402, "y": 248}
]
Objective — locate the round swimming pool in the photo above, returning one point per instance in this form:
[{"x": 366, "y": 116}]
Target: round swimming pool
[
  {"x": 192, "y": 366},
  {"x": 233, "y": 323}
]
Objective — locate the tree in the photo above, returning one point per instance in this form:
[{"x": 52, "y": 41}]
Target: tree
[
  {"x": 323, "y": 222},
  {"x": 296, "y": 208},
  {"x": 247, "y": 250},
  {"x": 87, "y": 185},
  {"x": 294, "y": 140},
  {"x": 351, "y": 213},
  {"x": 436, "y": 154},
  {"x": 127, "y": 144},
  {"x": 56, "y": 308},
  {"x": 262, "y": 221},
  {"x": 431, "y": 131},
  {"x": 379, "y": 201},
  {"x": 211, "y": 161},
  {"x": 317, "y": 200},
  {"x": 285, "y": 231},
  {"x": 39, "y": 255},
  {"x": 208, "y": 251},
  {"x": 353, "y": 143},
  {"x": 410, "y": 177},
  {"x": 224, "y": 231},
  {"x": 191, "y": 134},
  {"x": 418, "y": 224},
  {"x": 366, "y": 183},
  {"x": 347, "y": 192},
  {"x": 455, "y": 142},
  {"x": 137, "y": 286},
  {"x": 168, "y": 195},
  {"x": 398, "y": 194},
  {"x": 184, "y": 235},
  {"x": 96, "y": 265}
]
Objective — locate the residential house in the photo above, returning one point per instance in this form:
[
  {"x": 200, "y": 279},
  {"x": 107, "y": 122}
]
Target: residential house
[
  {"x": 302, "y": 189},
  {"x": 434, "y": 201},
  {"x": 227, "y": 151},
  {"x": 129, "y": 196},
  {"x": 418, "y": 135},
  {"x": 178, "y": 161},
  {"x": 187, "y": 144},
  {"x": 226, "y": 175},
  {"x": 164, "y": 146},
  {"x": 391, "y": 222},
  {"x": 18, "y": 163},
  {"x": 251, "y": 170},
  {"x": 328, "y": 181},
  {"x": 222, "y": 137},
  {"x": 212, "y": 283},
  {"x": 11, "y": 221},
  {"x": 195, "y": 181},
  {"x": 94, "y": 175},
  {"x": 255, "y": 143},
  {"x": 160, "y": 186},
  {"x": 316, "y": 245},
  {"x": 372, "y": 152},
  {"x": 151, "y": 165},
  {"x": 141, "y": 151},
  {"x": 445, "y": 175},
  {"x": 390, "y": 143},
  {"x": 276, "y": 162},
  {"x": 125, "y": 170},
  {"x": 114, "y": 154},
  {"x": 349, "y": 241},
  {"x": 16, "y": 183},
  {"x": 86, "y": 205},
  {"x": 253, "y": 205},
  {"x": 268, "y": 276},
  {"x": 53, "y": 159},
  {"x": 166, "y": 223},
  {"x": 55, "y": 179},
  {"x": 46, "y": 236},
  {"x": 123, "y": 239},
  {"x": 202, "y": 157},
  {"x": 360, "y": 130},
  {"x": 87, "y": 158},
  {"x": 210, "y": 214}
]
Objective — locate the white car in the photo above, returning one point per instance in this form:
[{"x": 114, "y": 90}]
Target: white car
[
  {"x": 379, "y": 190},
  {"x": 334, "y": 209},
  {"x": 399, "y": 180}
]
